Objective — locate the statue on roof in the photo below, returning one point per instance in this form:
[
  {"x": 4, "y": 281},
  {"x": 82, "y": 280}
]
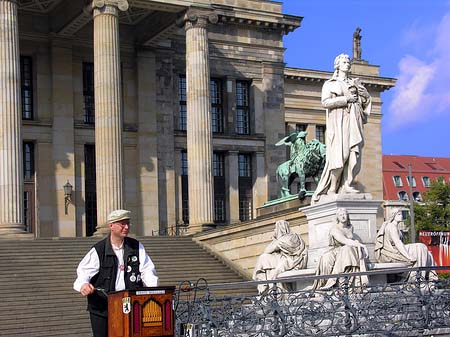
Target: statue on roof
[{"x": 357, "y": 44}]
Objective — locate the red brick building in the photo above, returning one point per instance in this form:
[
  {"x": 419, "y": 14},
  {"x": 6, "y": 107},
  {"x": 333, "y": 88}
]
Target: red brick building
[{"x": 424, "y": 170}]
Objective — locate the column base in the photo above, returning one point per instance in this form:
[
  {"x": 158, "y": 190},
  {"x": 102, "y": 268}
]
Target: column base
[
  {"x": 101, "y": 232},
  {"x": 362, "y": 211},
  {"x": 13, "y": 229}
]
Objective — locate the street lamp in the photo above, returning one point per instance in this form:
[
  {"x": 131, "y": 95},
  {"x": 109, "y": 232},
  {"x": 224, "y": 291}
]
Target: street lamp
[{"x": 67, "y": 195}]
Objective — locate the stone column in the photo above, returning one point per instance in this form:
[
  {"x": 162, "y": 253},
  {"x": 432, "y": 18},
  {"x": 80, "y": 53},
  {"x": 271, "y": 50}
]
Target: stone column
[
  {"x": 147, "y": 143},
  {"x": 108, "y": 109},
  {"x": 260, "y": 191},
  {"x": 199, "y": 135},
  {"x": 11, "y": 169}
]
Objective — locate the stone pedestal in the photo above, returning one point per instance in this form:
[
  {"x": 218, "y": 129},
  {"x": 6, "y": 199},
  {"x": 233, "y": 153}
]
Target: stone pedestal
[
  {"x": 11, "y": 169},
  {"x": 362, "y": 211}
]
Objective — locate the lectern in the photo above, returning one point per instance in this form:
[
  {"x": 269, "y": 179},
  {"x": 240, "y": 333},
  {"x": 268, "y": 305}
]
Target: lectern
[{"x": 141, "y": 313}]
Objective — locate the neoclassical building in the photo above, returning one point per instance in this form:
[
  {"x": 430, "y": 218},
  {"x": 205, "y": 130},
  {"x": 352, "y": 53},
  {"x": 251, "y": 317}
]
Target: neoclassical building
[{"x": 168, "y": 108}]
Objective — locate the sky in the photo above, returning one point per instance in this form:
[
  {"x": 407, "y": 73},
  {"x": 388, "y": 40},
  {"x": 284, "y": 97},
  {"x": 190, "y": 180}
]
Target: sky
[{"x": 408, "y": 39}]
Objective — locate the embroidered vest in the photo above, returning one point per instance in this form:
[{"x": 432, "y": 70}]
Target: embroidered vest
[{"x": 106, "y": 277}]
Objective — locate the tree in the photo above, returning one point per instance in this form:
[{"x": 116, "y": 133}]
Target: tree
[{"x": 434, "y": 213}]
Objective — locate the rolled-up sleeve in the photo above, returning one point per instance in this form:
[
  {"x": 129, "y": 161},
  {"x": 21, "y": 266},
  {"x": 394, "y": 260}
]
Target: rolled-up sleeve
[
  {"x": 147, "y": 268},
  {"x": 88, "y": 268}
]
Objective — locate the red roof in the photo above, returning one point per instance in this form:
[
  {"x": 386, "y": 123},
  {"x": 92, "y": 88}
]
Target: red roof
[{"x": 423, "y": 169}]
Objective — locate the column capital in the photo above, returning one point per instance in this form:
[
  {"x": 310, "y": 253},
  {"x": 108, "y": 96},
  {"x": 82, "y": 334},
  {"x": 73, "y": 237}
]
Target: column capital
[
  {"x": 197, "y": 18},
  {"x": 121, "y": 5}
]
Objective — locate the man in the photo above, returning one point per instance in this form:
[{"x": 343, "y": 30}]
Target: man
[{"x": 115, "y": 263}]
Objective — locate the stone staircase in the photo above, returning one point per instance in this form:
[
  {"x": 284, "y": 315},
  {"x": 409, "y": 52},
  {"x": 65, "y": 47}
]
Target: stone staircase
[{"x": 37, "y": 277}]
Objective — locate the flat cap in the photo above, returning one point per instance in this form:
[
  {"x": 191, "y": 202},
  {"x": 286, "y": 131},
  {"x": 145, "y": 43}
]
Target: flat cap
[{"x": 118, "y": 215}]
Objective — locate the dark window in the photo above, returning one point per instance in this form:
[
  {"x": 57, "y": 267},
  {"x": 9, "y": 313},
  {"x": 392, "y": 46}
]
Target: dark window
[
  {"x": 413, "y": 181},
  {"x": 90, "y": 186},
  {"x": 405, "y": 214},
  {"x": 245, "y": 168},
  {"x": 219, "y": 210},
  {"x": 402, "y": 195},
  {"x": 88, "y": 93},
  {"x": 320, "y": 133},
  {"x": 426, "y": 181},
  {"x": 300, "y": 127},
  {"x": 245, "y": 187},
  {"x": 398, "y": 164},
  {"x": 27, "y": 211},
  {"x": 184, "y": 163},
  {"x": 242, "y": 108},
  {"x": 28, "y": 160},
  {"x": 216, "y": 106},
  {"x": 435, "y": 166},
  {"x": 397, "y": 181},
  {"x": 218, "y": 164},
  {"x": 219, "y": 186},
  {"x": 184, "y": 187},
  {"x": 417, "y": 196},
  {"x": 26, "y": 81},
  {"x": 29, "y": 185},
  {"x": 182, "y": 122}
]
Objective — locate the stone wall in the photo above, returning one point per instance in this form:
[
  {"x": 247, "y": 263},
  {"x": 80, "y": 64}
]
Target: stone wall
[{"x": 240, "y": 245}]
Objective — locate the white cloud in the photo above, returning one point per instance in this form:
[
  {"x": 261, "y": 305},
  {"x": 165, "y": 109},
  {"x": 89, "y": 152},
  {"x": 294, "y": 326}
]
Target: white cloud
[{"x": 423, "y": 89}]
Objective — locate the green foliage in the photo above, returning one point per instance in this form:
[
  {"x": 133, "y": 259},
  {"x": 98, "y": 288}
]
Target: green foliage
[
  {"x": 434, "y": 213},
  {"x": 444, "y": 276}
]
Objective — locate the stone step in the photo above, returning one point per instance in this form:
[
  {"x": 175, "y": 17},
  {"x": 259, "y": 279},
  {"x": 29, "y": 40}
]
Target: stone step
[{"x": 36, "y": 285}]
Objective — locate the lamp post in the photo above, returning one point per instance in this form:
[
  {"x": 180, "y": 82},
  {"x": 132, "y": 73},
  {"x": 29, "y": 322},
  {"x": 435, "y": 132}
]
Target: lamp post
[
  {"x": 412, "y": 228},
  {"x": 67, "y": 195}
]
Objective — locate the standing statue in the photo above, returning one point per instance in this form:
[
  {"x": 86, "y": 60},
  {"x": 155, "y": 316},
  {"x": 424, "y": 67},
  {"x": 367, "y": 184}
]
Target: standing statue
[
  {"x": 357, "y": 44},
  {"x": 286, "y": 252},
  {"x": 306, "y": 160},
  {"x": 390, "y": 248},
  {"x": 346, "y": 255},
  {"x": 348, "y": 106}
]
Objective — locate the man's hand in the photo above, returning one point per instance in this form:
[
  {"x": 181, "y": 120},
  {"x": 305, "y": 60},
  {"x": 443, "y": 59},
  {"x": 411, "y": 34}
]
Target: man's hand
[
  {"x": 352, "y": 97},
  {"x": 87, "y": 289}
]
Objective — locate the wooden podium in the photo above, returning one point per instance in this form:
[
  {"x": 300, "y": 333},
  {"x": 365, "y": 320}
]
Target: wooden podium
[{"x": 141, "y": 313}]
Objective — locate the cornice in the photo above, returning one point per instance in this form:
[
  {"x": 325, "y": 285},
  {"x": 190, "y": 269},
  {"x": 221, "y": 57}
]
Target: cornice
[
  {"x": 258, "y": 19},
  {"x": 307, "y": 75}
]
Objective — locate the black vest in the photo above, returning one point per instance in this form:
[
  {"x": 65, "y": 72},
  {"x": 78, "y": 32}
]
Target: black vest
[{"x": 106, "y": 277}]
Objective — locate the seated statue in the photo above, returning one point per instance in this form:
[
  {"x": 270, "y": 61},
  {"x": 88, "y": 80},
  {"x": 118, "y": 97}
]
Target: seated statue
[
  {"x": 286, "y": 252},
  {"x": 390, "y": 248},
  {"x": 346, "y": 255}
]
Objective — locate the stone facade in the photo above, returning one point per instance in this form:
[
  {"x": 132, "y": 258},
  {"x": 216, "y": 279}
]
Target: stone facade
[{"x": 114, "y": 74}]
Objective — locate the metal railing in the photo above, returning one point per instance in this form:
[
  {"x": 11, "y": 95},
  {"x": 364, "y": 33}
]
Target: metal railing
[
  {"x": 416, "y": 308},
  {"x": 177, "y": 230}
]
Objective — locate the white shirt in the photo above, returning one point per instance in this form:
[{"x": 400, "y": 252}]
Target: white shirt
[{"x": 90, "y": 266}]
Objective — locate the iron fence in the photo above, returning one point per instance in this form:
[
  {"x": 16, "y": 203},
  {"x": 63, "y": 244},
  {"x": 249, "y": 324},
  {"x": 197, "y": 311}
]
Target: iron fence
[
  {"x": 417, "y": 308},
  {"x": 176, "y": 230}
]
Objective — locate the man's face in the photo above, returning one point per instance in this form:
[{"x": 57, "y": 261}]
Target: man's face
[
  {"x": 120, "y": 228},
  {"x": 344, "y": 64}
]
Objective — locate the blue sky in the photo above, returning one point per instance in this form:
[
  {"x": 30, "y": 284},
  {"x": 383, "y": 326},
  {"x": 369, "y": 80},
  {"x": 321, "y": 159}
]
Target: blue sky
[{"x": 408, "y": 39}]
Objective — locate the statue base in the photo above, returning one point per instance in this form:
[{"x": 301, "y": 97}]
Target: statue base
[
  {"x": 284, "y": 204},
  {"x": 362, "y": 210}
]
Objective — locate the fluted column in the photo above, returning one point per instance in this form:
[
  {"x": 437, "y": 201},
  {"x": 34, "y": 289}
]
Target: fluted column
[
  {"x": 11, "y": 169},
  {"x": 108, "y": 109},
  {"x": 199, "y": 135}
]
